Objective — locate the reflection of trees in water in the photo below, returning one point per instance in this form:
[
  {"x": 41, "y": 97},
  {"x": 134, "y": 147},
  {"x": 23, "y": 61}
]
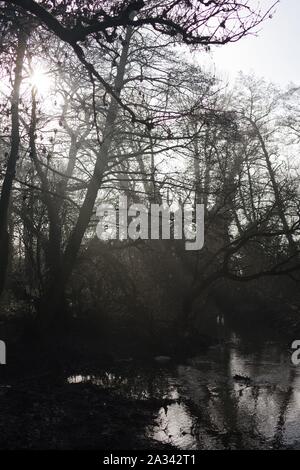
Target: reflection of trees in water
[
  {"x": 285, "y": 402},
  {"x": 205, "y": 405},
  {"x": 239, "y": 415},
  {"x": 134, "y": 383},
  {"x": 137, "y": 384}
]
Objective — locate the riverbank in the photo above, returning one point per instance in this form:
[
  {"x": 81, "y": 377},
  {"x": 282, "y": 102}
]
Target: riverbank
[{"x": 40, "y": 415}]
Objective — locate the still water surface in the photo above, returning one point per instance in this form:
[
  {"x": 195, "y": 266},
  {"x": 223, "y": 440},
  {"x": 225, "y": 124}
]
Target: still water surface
[{"x": 236, "y": 395}]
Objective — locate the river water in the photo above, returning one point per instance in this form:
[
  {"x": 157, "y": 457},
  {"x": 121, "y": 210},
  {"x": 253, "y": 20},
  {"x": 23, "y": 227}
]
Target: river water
[{"x": 239, "y": 394}]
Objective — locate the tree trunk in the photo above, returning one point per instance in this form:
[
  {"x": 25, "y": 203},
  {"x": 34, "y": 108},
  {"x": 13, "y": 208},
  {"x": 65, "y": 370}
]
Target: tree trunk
[
  {"x": 54, "y": 303},
  {"x": 278, "y": 199},
  {"x": 12, "y": 160}
]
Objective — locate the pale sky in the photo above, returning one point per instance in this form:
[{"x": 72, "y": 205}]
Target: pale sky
[{"x": 274, "y": 53}]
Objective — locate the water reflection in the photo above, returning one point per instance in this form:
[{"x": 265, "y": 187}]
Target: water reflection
[{"x": 233, "y": 397}]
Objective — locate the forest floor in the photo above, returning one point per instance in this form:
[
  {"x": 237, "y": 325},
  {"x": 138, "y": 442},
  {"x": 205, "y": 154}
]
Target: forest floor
[{"x": 71, "y": 416}]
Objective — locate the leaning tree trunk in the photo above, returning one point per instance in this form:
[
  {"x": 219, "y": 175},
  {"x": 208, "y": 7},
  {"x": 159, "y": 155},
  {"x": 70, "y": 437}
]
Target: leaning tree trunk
[
  {"x": 12, "y": 160},
  {"x": 53, "y": 304},
  {"x": 293, "y": 250}
]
